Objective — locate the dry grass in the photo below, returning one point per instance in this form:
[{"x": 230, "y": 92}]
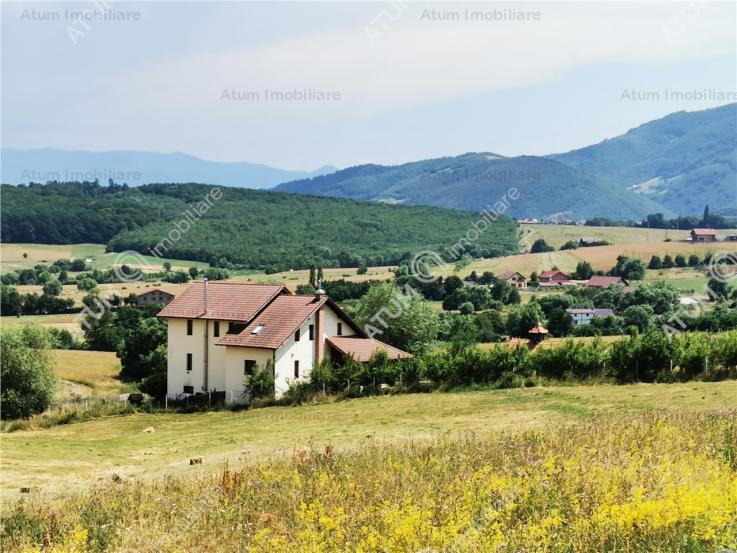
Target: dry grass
[
  {"x": 629, "y": 483},
  {"x": 97, "y": 370},
  {"x": 78, "y": 454}
]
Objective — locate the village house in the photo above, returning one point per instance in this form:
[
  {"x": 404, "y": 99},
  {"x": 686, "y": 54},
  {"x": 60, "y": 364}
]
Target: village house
[
  {"x": 604, "y": 281},
  {"x": 155, "y": 296},
  {"x": 703, "y": 235},
  {"x": 554, "y": 276},
  {"x": 219, "y": 332},
  {"x": 514, "y": 279},
  {"x": 583, "y": 316}
]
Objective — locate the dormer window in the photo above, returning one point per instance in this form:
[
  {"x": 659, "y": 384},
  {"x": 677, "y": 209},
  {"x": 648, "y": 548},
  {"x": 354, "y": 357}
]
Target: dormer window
[{"x": 257, "y": 329}]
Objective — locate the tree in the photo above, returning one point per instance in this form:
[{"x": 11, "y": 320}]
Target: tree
[
  {"x": 52, "y": 288},
  {"x": 693, "y": 260},
  {"x": 167, "y": 266},
  {"x": 570, "y": 245},
  {"x": 260, "y": 384},
  {"x": 466, "y": 308},
  {"x": 540, "y": 245},
  {"x": 362, "y": 269},
  {"x": 706, "y": 219},
  {"x": 718, "y": 288},
  {"x": 408, "y": 322},
  {"x": 668, "y": 262},
  {"x": 138, "y": 342},
  {"x": 523, "y": 318},
  {"x": 534, "y": 281},
  {"x": 655, "y": 263},
  {"x": 584, "y": 271},
  {"x": 560, "y": 323},
  {"x": 193, "y": 272},
  {"x": 639, "y": 316},
  {"x": 28, "y": 379},
  {"x": 86, "y": 284},
  {"x": 680, "y": 260},
  {"x": 453, "y": 283}
]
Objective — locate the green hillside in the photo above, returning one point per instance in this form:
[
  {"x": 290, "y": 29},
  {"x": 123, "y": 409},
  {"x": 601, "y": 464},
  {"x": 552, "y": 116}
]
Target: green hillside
[
  {"x": 254, "y": 229},
  {"x": 476, "y": 180},
  {"x": 682, "y": 161}
]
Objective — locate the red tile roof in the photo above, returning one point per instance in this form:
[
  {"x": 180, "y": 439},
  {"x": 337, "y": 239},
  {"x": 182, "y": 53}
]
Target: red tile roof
[
  {"x": 538, "y": 330},
  {"x": 604, "y": 281},
  {"x": 704, "y": 232},
  {"x": 279, "y": 320},
  {"x": 551, "y": 274},
  {"x": 363, "y": 348},
  {"x": 506, "y": 275},
  {"x": 228, "y": 301}
]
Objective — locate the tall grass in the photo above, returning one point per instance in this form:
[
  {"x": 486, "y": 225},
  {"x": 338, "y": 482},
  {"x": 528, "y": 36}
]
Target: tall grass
[{"x": 658, "y": 482}]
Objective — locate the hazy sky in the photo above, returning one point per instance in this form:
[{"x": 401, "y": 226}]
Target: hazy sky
[{"x": 409, "y": 84}]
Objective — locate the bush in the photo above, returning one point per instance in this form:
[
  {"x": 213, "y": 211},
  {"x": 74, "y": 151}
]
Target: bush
[
  {"x": 28, "y": 380},
  {"x": 260, "y": 385}
]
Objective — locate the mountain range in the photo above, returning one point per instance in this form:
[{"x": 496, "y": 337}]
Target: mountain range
[
  {"x": 674, "y": 165},
  {"x": 135, "y": 168}
]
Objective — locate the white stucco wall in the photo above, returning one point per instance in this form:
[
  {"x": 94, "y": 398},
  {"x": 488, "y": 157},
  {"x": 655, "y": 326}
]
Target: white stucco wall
[
  {"x": 179, "y": 344},
  {"x": 302, "y": 351},
  {"x": 234, "y": 369}
]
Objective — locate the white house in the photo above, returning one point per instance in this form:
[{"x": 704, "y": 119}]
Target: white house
[
  {"x": 218, "y": 332},
  {"x": 582, "y": 316}
]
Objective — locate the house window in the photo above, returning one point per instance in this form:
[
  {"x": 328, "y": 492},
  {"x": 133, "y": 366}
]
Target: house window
[
  {"x": 248, "y": 366},
  {"x": 188, "y": 389},
  {"x": 189, "y": 327},
  {"x": 216, "y": 329},
  {"x": 296, "y": 369},
  {"x": 189, "y": 361},
  {"x": 296, "y": 335},
  {"x": 340, "y": 329},
  {"x": 236, "y": 328},
  {"x": 312, "y": 332}
]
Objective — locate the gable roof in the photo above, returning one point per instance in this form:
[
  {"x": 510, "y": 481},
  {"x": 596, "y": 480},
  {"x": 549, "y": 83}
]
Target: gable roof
[
  {"x": 230, "y": 301},
  {"x": 155, "y": 291},
  {"x": 506, "y": 275},
  {"x": 604, "y": 281},
  {"x": 281, "y": 319},
  {"x": 551, "y": 274},
  {"x": 704, "y": 232},
  {"x": 363, "y": 348},
  {"x": 538, "y": 329}
]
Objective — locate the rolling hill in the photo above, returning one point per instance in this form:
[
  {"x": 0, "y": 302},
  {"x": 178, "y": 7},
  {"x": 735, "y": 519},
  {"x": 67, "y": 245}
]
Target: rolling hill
[
  {"x": 252, "y": 228},
  {"x": 136, "y": 168},
  {"x": 682, "y": 161},
  {"x": 474, "y": 181},
  {"x": 674, "y": 165}
]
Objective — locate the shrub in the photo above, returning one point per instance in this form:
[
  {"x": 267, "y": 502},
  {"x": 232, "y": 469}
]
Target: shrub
[
  {"x": 260, "y": 385},
  {"x": 28, "y": 380}
]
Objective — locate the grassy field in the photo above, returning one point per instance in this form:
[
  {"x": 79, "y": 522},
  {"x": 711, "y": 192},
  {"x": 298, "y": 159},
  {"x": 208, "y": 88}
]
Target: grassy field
[
  {"x": 96, "y": 370},
  {"x": 557, "y": 235},
  {"x": 632, "y": 482},
  {"x": 78, "y": 454},
  {"x": 12, "y": 257},
  {"x": 601, "y": 257}
]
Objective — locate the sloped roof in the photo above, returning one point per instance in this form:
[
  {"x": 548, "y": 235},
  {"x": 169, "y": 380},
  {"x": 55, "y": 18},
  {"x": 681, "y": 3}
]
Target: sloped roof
[
  {"x": 604, "y": 281},
  {"x": 538, "y": 329},
  {"x": 363, "y": 348},
  {"x": 229, "y": 301},
  {"x": 551, "y": 274},
  {"x": 506, "y": 275},
  {"x": 704, "y": 232},
  {"x": 155, "y": 291},
  {"x": 279, "y": 321}
]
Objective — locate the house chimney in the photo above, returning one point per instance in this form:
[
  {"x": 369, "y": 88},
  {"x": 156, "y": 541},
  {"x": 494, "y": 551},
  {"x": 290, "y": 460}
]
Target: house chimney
[
  {"x": 319, "y": 293},
  {"x": 205, "y": 294}
]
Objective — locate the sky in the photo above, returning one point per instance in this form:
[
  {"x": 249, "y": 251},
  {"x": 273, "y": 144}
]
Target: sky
[{"x": 381, "y": 82}]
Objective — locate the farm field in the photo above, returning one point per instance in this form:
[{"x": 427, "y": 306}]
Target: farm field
[
  {"x": 62, "y": 321},
  {"x": 78, "y": 454},
  {"x": 95, "y": 370},
  {"x": 557, "y": 235},
  {"x": 600, "y": 257}
]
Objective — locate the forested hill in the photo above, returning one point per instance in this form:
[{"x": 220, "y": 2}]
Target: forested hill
[
  {"x": 255, "y": 229},
  {"x": 471, "y": 181}
]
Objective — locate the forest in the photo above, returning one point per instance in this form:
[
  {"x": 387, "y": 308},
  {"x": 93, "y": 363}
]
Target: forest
[{"x": 244, "y": 228}]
